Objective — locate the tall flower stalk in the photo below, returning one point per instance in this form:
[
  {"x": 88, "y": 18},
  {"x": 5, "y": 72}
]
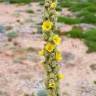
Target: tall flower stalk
[{"x": 50, "y": 51}]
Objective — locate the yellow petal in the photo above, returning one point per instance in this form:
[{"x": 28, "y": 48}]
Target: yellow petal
[
  {"x": 41, "y": 53},
  {"x": 58, "y": 56},
  {"x": 49, "y": 47},
  {"x": 53, "y": 5},
  {"x": 61, "y": 76},
  {"x": 51, "y": 85},
  {"x": 56, "y": 39},
  {"x": 47, "y": 25}
]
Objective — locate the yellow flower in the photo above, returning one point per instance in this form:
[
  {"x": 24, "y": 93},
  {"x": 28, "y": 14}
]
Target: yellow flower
[
  {"x": 51, "y": 85},
  {"x": 53, "y": 5},
  {"x": 49, "y": 47},
  {"x": 56, "y": 39},
  {"x": 58, "y": 56},
  {"x": 42, "y": 62},
  {"x": 47, "y": 25},
  {"x": 60, "y": 76},
  {"x": 41, "y": 53}
]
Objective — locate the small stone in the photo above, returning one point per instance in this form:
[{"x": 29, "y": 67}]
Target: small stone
[
  {"x": 9, "y": 39},
  {"x": 16, "y": 43},
  {"x": 66, "y": 12},
  {"x": 94, "y": 82},
  {"x": 93, "y": 67},
  {"x": 2, "y": 29},
  {"x": 65, "y": 28},
  {"x": 25, "y": 62},
  {"x": 42, "y": 93},
  {"x": 68, "y": 57},
  {"x": 8, "y": 28},
  {"x": 86, "y": 26},
  {"x": 34, "y": 30},
  {"x": 65, "y": 94},
  {"x": 9, "y": 53},
  {"x": 3, "y": 93}
]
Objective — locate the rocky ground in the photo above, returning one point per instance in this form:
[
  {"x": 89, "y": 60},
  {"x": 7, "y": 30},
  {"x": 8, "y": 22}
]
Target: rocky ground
[{"x": 21, "y": 70}]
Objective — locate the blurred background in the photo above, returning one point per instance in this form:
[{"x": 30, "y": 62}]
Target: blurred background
[{"x": 21, "y": 69}]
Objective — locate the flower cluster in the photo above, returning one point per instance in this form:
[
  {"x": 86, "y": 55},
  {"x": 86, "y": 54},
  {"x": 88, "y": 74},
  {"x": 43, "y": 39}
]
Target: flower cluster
[
  {"x": 48, "y": 29},
  {"x": 50, "y": 51}
]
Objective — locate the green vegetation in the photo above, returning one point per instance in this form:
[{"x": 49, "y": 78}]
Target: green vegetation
[
  {"x": 91, "y": 45},
  {"x": 85, "y": 11},
  {"x": 94, "y": 82},
  {"x": 12, "y": 34},
  {"x": 21, "y": 1},
  {"x": 78, "y": 5},
  {"x": 86, "y": 18},
  {"x": 18, "y": 1},
  {"x": 68, "y": 20},
  {"x": 59, "y": 8},
  {"x": 89, "y": 37},
  {"x": 42, "y": 92},
  {"x": 30, "y": 11},
  {"x": 90, "y": 40},
  {"x": 75, "y": 33}
]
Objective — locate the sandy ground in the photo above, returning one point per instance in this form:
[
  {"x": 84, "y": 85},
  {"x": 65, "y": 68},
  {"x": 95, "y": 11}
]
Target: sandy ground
[{"x": 21, "y": 71}]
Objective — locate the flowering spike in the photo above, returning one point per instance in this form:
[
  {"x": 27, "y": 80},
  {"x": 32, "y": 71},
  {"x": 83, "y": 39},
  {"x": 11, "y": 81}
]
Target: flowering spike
[{"x": 52, "y": 55}]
